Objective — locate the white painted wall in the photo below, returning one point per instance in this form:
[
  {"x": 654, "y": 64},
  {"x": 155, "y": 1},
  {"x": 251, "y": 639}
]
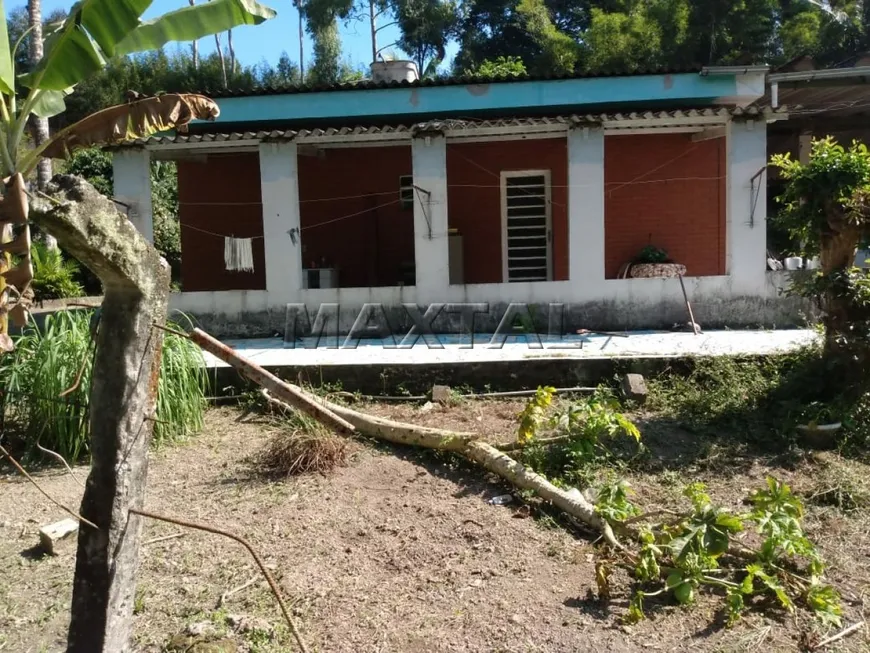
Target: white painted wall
[
  {"x": 586, "y": 206},
  {"x": 746, "y": 258},
  {"x": 131, "y": 169},
  {"x": 431, "y": 247},
  {"x": 281, "y": 222}
]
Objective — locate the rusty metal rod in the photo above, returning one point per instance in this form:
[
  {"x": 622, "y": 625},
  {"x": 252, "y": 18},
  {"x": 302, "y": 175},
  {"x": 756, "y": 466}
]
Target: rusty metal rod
[
  {"x": 24, "y": 473},
  {"x": 238, "y": 538},
  {"x": 583, "y": 332},
  {"x": 270, "y": 382}
]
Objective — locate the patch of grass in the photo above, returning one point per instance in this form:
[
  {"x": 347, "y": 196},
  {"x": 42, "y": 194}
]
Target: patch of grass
[
  {"x": 763, "y": 399},
  {"x": 840, "y": 485},
  {"x": 46, "y": 364}
]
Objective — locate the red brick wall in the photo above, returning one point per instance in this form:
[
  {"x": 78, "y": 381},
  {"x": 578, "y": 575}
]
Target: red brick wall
[
  {"x": 232, "y": 179},
  {"x": 474, "y": 199},
  {"x": 371, "y": 246},
  {"x": 665, "y": 190}
]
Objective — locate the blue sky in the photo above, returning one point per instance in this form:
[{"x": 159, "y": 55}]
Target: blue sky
[{"x": 268, "y": 40}]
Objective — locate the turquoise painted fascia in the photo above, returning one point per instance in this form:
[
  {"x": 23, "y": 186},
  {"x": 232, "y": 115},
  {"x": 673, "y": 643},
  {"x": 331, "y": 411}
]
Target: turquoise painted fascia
[{"x": 466, "y": 100}]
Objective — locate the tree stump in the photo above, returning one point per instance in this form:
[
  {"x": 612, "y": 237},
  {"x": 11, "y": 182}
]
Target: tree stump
[{"x": 122, "y": 403}]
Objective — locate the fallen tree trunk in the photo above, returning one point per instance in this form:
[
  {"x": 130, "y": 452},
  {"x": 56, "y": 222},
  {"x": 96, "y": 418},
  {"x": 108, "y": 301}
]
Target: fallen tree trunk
[
  {"x": 292, "y": 394},
  {"x": 398, "y": 432},
  {"x": 421, "y": 436},
  {"x": 469, "y": 445}
]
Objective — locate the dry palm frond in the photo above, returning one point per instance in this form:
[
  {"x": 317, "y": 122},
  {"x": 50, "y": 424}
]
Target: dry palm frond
[{"x": 132, "y": 120}]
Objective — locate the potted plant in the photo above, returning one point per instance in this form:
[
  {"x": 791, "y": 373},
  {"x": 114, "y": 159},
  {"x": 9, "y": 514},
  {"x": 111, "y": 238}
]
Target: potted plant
[
  {"x": 653, "y": 262},
  {"x": 818, "y": 425}
]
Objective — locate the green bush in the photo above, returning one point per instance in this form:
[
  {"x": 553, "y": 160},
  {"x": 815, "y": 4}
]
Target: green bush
[
  {"x": 93, "y": 164},
  {"x": 167, "y": 230},
  {"x": 54, "y": 277},
  {"x": 46, "y": 363}
]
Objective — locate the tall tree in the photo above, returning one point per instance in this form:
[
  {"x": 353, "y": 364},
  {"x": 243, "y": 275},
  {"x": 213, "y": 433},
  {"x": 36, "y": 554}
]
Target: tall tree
[
  {"x": 232, "y": 51},
  {"x": 326, "y": 68},
  {"x": 298, "y": 5},
  {"x": 425, "y": 27},
  {"x": 194, "y": 45},
  {"x": 38, "y": 126},
  {"x": 321, "y": 18},
  {"x": 220, "y": 54},
  {"x": 559, "y": 52},
  {"x": 623, "y": 41}
]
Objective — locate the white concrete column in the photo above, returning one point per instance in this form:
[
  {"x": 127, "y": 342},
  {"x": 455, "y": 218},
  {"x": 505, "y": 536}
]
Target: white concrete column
[
  {"x": 431, "y": 251},
  {"x": 585, "y": 207},
  {"x": 747, "y": 206},
  {"x": 805, "y": 146},
  {"x": 131, "y": 170},
  {"x": 281, "y": 223}
]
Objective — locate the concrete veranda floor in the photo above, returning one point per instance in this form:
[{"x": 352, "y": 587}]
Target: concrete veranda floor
[{"x": 452, "y": 349}]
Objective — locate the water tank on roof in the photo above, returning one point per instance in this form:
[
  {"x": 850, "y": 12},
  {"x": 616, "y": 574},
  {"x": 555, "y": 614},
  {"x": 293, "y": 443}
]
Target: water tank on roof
[{"x": 394, "y": 71}]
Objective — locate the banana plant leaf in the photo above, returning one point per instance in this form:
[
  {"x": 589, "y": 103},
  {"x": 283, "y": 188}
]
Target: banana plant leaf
[
  {"x": 7, "y": 79},
  {"x": 191, "y": 23},
  {"x": 50, "y": 103},
  {"x": 100, "y": 29},
  {"x": 130, "y": 121}
]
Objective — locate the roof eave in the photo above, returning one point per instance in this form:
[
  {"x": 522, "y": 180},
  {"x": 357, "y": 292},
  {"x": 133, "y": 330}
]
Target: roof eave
[
  {"x": 734, "y": 70},
  {"x": 819, "y": 75},
  {"x": 612, "y": 122}
]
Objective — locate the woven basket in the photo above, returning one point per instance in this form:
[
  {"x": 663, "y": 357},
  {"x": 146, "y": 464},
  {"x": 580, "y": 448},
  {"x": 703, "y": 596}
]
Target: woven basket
[{"x": 656, "y": 270}]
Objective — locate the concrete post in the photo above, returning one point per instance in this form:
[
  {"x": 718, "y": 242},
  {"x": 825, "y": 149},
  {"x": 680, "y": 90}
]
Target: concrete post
[
  {"x": 281, "y": 223},
  {"x": 431, "y": 248},
  {"x": 805, "y": 146},
  {"x": 585, "y": 207},
  {"x": 747, "y": 213},
  {"x": 131, "y": 169}
]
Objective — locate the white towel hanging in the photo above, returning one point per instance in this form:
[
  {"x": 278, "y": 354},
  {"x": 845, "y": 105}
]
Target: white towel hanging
[{"x": 238, "y": 254}]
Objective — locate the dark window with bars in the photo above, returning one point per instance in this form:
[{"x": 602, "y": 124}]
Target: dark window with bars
[
  {"x": 526, "y": 200},
  {"x": 406, "y": 191}
]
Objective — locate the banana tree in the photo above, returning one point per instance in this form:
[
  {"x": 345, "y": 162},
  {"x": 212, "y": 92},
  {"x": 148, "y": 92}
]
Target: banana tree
[{"x": 134, "y": 276}]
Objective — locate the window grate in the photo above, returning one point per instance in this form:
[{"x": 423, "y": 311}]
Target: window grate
[{"x": 526, "y": 226}]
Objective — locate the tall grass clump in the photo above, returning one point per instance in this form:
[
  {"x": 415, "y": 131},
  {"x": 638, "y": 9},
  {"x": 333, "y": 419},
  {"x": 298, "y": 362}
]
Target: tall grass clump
[
  {"x": 47, "y": 362},
  {"x": 301, "y": 446},
  {"x": 181, "y": 389}
]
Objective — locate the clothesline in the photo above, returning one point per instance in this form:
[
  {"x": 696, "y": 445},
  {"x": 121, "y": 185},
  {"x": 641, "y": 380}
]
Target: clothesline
[
  {"x": 313, "y": 226},
  {"x": 492, "y": 186}
]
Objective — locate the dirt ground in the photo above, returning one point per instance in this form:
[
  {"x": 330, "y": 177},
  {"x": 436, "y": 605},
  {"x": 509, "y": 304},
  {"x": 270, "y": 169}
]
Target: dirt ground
[{"x": 401, "y": 551}]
